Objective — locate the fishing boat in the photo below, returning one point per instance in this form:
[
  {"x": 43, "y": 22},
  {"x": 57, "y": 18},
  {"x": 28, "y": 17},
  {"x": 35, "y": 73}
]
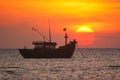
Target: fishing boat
[{"x": 47, "y": 49}]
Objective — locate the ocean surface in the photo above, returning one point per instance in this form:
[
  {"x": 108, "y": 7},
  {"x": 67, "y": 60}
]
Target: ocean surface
[{"x": 96, "y": 64}]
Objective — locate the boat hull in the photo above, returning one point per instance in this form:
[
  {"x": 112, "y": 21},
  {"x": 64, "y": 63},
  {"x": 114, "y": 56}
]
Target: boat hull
[{"x": 61, "y": 52}]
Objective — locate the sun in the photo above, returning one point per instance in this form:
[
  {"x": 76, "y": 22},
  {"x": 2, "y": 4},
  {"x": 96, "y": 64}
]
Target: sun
[
  {"x": 85, "y": 35},
  {"x": 84, "y": 29}
]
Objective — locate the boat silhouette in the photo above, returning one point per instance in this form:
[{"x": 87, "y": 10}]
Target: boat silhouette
[{"x": 47, "y": 49}]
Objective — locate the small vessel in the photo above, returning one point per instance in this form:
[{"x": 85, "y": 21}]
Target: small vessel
[{"x": 47, "y": 49}]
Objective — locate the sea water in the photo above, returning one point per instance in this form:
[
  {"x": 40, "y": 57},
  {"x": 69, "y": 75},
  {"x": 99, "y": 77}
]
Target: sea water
[{"x": 96, "y": 64}]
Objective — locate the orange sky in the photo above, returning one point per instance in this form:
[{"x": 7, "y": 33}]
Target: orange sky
[{"x": 17, "y": 18}]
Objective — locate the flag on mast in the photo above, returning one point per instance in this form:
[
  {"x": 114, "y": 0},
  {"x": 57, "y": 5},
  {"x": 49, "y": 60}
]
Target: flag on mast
[{"x": 64, "y": 29}]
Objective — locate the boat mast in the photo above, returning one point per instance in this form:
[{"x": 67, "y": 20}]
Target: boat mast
[
  {"x": 49, "y": 31},
  {"x": 66, "y": 36}
]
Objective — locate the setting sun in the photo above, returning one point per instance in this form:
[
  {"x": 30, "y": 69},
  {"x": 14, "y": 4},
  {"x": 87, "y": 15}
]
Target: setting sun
[
  {"x": 84, "y": 29},
  {"x": 85, "y": 35}
]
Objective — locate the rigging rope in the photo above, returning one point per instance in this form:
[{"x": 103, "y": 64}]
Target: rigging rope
[
  {"x": 44, "y": 37},
  {"x": 81, "y": 51}
]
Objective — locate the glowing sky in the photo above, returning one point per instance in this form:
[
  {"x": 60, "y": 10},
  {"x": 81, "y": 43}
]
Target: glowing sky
[{"x": 17, "y": 17}]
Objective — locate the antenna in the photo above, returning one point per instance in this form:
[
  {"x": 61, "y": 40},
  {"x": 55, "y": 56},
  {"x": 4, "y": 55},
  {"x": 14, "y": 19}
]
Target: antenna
[{"x": 49, "y": 31}]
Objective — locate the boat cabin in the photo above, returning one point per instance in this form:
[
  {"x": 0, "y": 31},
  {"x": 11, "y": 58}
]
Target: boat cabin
[{"x": 44, "y": 45}]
